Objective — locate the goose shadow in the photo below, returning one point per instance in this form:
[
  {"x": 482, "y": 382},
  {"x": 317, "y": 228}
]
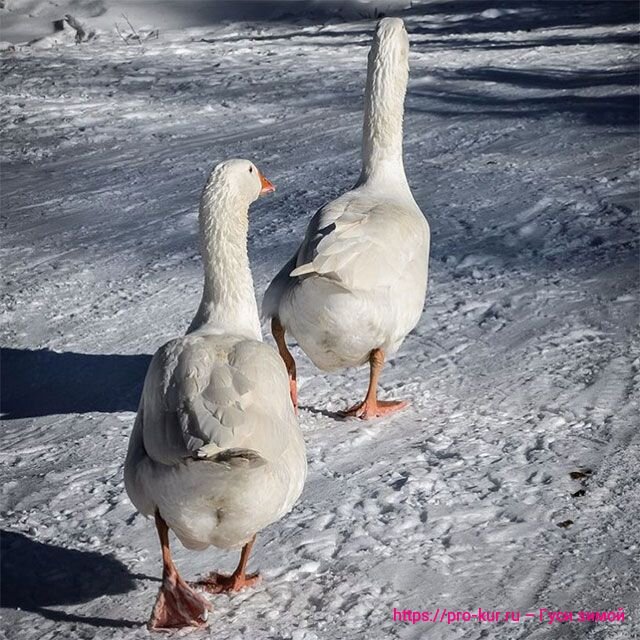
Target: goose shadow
[
  {"x": 43, "y": 382},
  {"x": 37, "y": 575}
]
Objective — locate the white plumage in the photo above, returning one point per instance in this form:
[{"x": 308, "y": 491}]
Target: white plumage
[
  {"x": 216, "y": 453},
  {"x": 357, "y": 283},
  {"x": 216, "y": 447}
]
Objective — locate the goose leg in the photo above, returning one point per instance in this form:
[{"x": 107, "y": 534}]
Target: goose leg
[
  {"x": 219, "y": 583},
  {"x": 177, "y": 604},
  {"x": 371, "y": 407},
  {"x": 278, "y": 334}
]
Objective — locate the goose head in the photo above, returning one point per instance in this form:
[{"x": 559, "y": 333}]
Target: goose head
[{"x": 236, "y": 181}]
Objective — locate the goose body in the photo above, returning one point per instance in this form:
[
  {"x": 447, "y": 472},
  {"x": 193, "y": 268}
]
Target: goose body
[
  {"x": 356, "y": 285},
  {"x": 216, "y": 453},
  {"x": 359, "y": 287},
  {"x": 215, "y": 448}
]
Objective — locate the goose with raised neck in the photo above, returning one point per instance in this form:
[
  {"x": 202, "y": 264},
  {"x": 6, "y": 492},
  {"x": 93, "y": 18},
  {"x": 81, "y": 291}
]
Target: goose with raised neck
[
  {"x": 356, "y": 285},
  {"x": 216, "y": 453}
]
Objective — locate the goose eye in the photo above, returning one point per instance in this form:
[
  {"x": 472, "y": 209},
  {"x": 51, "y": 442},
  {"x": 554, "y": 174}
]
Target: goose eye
[{"x": 250, "y": 169}]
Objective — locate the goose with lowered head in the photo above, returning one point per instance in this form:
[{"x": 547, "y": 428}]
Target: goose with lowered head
[
  {"x": 216, "y": 453},
  {"x": 356, "y": 286}
]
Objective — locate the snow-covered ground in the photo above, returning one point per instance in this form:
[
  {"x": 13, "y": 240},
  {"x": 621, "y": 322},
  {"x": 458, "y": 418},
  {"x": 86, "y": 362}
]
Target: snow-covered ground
[{"x": 521, "y": 148}]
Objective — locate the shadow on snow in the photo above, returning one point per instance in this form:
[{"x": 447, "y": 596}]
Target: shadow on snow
[
  {"x": 44, "y": 382},
  {"x": 36, "y": 575}
]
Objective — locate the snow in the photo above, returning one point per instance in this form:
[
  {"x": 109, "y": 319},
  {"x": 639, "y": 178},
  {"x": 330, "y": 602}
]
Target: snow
[
  {"x": 33, "y": 19},
  {"x": 521, "y": 148}
]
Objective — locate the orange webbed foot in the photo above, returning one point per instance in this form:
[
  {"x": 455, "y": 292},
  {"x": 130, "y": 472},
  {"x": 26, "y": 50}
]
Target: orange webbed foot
[
  {"x": 178, "y": 606},
  {"x": 219, "y": 583},
  {"x": 366, "y": 410}
]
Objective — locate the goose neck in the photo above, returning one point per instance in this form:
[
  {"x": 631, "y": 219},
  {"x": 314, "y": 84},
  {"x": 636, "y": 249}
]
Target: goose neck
[
  {"x": 387, "y": 78},
  {"x": 228, "y": 299}
]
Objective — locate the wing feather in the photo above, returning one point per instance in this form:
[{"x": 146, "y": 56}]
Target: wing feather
[
  {"x": 209, "y": 392},
  {"x": 364, "y": 250}
]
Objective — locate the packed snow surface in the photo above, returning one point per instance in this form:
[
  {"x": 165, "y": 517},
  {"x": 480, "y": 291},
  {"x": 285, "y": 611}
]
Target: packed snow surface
[{"x": 510, "y": 483}]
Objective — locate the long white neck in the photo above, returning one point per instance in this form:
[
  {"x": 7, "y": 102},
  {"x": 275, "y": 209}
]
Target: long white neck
[
  {"x": 228, "y": 299},
  {"x": 387, "y": 78}
]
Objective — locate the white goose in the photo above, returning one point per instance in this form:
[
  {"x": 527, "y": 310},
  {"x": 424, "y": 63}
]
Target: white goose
[
  {"x": 357, "y": 284},
  {"x": 216, "y": 453}
]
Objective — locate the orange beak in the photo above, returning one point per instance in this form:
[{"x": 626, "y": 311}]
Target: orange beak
[{"x": 267, "y": 187}]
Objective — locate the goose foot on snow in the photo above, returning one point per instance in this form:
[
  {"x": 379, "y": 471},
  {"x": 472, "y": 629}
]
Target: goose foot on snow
[
  {"x": 376, "y": 409},
  {"x": 177, "y": 604},
  {"x": 371, "y": 407},
  {"x": 238, "y": 580}
]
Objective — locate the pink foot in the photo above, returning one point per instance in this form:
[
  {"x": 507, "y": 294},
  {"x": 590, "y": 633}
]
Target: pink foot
[
  {"x": 367, "y": 409},
  {"x": 293, "y": 390},
  {"x": 178, "y": 606},
  {"x": 219, "y": 583}
]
